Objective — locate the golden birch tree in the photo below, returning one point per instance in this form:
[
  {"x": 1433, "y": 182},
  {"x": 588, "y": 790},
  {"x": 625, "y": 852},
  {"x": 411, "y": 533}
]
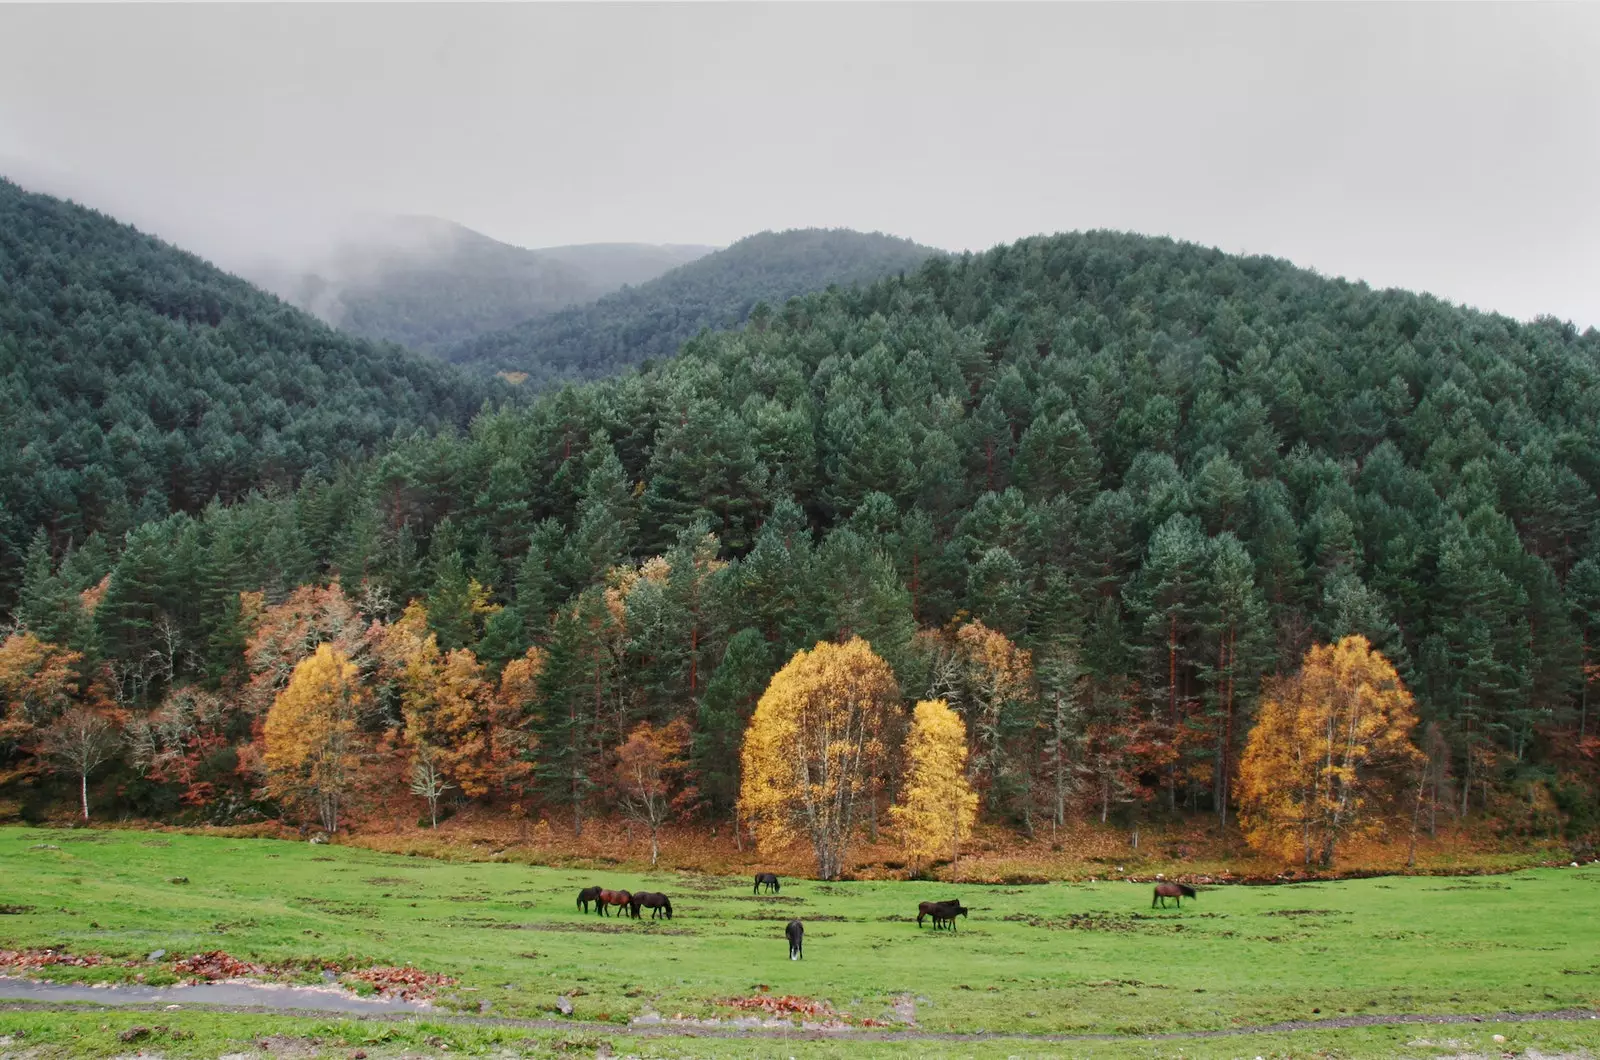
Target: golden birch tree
[
  {"x": 938, "y": 805},
  {"x": 813, "y": 746},
  {"x": 312, "y": 734},
  {"x": 1329, "y": 754}
]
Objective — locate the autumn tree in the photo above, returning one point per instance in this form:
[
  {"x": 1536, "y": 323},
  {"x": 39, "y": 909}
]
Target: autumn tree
[
  {"x": 79, "y": 742},
  {"x": 312, "y": 734},
  {"x": 38, "y": 681},
  {"x": 989, "y": 681},
  {"x": 649, "y": 776},
  {"x": 1329, "y": 753},
  {"x": 813, "y": 746},
  {"x": 937, "y": 805},
  {"x": 283, "y": 635},
  {"x": 182, "y": 743}
]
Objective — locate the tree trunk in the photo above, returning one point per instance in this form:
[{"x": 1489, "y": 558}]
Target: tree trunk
[
  {"x": 1416, "y": 818},
  {"x": 655, "y": 846},
  {"x": 1172, "y": 709},
  {"x": 83, "y": 789}
]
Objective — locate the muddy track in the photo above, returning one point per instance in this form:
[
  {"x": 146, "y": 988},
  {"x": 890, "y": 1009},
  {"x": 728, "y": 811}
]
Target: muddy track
[{"x": 675, "y": 1030}]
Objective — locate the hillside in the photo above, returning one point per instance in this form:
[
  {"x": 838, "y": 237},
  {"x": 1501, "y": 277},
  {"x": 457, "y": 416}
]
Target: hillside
[
  {"x": 1091, "y": 489},
  {"x": 428, "y": 284},
  {"x": 136, "y": 380},
  {"x": 716, "y": 291}
]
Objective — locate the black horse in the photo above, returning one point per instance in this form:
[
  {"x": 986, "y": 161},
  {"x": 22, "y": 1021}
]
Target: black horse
[
  {"x": 587, "y": 895},
  {"x": 654, "y": 901},
  {"x": 796, "y": 934},
  {"x": 943, "y": 913},
  {"x": 768, "y": 880},
  {"x": 1180, "y": 891}
]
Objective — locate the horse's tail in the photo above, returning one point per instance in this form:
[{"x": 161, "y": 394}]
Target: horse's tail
[
  {"x": 1188, "y": 892},
  {"x": 757, "y": 888}
]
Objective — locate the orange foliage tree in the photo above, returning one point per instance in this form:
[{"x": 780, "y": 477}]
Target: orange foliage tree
[
  {"x": 456, "y": 723},
  {"x": 649, "y": 776},
  {"x": 813, "y": 746},
  {"x": 1330, "y": 752},
  {"x": 313, "y": 737},
  {"x": 38, "y": 680}
]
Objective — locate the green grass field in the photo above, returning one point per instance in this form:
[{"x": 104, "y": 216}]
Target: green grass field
[{"x": 1055, "y": 958}]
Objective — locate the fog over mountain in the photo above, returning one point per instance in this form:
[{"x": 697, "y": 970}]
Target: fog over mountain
[{"x": 1444, "y": 148}]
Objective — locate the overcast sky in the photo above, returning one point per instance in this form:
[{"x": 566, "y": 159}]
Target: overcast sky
[{"x": 1453, "y": 149}]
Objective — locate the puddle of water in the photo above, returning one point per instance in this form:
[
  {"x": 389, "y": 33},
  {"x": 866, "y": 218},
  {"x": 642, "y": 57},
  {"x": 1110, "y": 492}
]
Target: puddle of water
[{"x": 255, "y": 995}]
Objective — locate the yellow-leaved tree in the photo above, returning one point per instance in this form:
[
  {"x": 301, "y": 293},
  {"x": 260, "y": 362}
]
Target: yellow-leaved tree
[
  {"x": 313, "y": 734},
  {"x": 1329, "y": 754},
  {"x": 938, "y": 805},
  {"x": 813, "y": 746}
]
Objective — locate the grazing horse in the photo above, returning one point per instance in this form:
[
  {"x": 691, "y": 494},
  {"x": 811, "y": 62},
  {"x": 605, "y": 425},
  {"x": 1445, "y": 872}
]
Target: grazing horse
[
  {"x": 620, "y": 899},
  {"x": 654, "y": 901},
  {"x": 942, "y": 912},
  {"x": 1180, "y": 891},
  {"x": 796, "y": 934},
  {"x": 587, "y": 895},
  {"x": 768, "y": 880}
]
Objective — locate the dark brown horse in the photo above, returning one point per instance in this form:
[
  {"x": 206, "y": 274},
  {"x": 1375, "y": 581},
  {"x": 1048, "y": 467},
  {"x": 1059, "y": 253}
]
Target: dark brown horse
[
  {"x": 768, "y": 880},
  {"x": 943, "y": 913},
  {"x": 654, "y": 901},
  {"x": 620, "y": 899},
  {"x": 587, "y": 895},
  {"x": 1180, "y": 891},
  {"x": 796, "y": 934}
]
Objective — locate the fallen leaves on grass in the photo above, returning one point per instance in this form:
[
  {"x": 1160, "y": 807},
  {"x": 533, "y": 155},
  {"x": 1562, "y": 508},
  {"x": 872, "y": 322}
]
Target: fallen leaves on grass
[
  {"x": 408, "y": 984},
  {"x": 210, "y": 967},
  {"x": 30, "y": 959}
]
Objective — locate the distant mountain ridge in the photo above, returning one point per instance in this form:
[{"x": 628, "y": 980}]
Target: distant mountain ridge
[
  {"x": 719, "y": 290},
  {"x": 428, "y": 283}
]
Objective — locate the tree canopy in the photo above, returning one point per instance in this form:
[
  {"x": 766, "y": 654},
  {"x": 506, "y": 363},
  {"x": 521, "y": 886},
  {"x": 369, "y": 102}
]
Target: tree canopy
[{"x": 1090, "y": 488}]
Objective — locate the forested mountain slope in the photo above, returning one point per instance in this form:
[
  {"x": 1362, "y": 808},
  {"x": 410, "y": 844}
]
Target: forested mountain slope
[
  {"x": 717, "y": 290},
  {"x": 136, "y": 380},
  {"x": 1089, "y": 488}
]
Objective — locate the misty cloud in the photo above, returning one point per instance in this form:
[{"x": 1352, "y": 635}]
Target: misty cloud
[{"x": 1437, "y": 147}]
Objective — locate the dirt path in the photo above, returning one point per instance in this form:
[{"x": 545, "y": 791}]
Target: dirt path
[{"x": 285, "y": 1006}]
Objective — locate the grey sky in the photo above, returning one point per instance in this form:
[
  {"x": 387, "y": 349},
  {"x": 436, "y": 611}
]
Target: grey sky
[{"x": 1454, "y": 149}]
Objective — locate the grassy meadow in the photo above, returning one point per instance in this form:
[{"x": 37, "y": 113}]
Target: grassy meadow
[{"x": 1054, "y": 958}]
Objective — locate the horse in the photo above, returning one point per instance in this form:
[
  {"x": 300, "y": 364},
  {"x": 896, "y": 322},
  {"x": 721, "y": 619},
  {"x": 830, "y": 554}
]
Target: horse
[
  {"x": 767, "y": 879},
  {"x": 620, "y": 899},
  {"x": 796, "y": 934},
  {"x": 1180, "y": 891},
  {"x": 654, "y": 901},
  {"x": 587, "y": 895},
  {"x": 942, "y": 912}
]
